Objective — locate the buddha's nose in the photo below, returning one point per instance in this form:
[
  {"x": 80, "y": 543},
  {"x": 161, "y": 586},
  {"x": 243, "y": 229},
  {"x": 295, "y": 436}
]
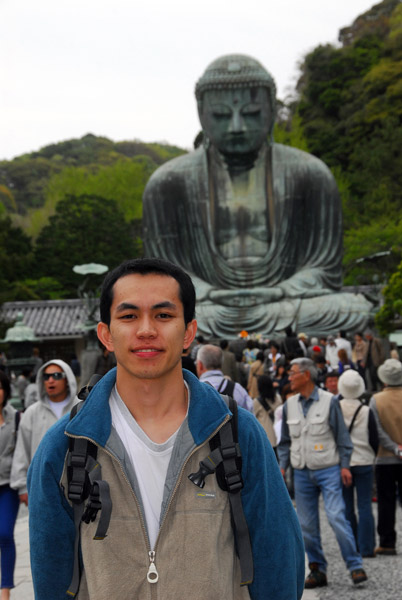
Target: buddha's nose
[{"x": 237, "y": 124}]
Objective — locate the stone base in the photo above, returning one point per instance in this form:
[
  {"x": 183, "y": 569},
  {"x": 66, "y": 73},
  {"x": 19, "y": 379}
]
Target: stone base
[{"x": 318, "y": 315}]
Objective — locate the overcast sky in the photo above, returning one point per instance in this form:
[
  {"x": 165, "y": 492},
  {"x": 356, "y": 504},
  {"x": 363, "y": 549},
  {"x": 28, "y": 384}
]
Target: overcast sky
[{"x": 126, "y": 69}]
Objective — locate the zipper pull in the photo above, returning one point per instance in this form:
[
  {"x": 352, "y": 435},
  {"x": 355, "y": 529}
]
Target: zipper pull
[{"x": 152, "y": 574}]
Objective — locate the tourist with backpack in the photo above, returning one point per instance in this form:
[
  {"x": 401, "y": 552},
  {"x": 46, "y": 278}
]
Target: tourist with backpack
[
  {"x": 361, "y": 424},
  {"x": 209, "y": 370},
  {"x": 124, "y": 498},
  {"x": 9, "y": 501}
]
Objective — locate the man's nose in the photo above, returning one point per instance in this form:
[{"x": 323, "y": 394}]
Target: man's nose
[
  {"x": 146, "y": 327},
  {"x": 237, "y": 124}
]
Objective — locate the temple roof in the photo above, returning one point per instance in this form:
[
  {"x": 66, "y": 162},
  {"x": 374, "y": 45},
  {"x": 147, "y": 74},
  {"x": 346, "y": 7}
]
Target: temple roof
[{"x": 49, "y": 319}]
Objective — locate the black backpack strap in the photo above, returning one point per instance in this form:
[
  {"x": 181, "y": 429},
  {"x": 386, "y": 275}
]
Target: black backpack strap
[
  {"x": 354, "y": 417},
  {"x": 84, "y": 476},
  {"x": 225, "y": 460},
  {"x": 229, "y": 441},
  {"x": 227, "y": 389}
]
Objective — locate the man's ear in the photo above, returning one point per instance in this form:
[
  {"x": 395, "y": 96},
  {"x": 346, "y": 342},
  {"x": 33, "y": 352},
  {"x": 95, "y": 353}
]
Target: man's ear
[
  {"x": 104, "y": 336},
  {"x": 191, "y": 330}
]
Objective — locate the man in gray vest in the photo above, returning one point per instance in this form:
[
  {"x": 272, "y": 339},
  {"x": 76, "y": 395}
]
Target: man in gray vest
[{"x": 315, "y": 439}]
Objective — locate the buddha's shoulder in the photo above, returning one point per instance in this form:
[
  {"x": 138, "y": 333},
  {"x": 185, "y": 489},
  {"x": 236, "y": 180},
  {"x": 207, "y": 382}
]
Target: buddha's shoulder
[
  {"x": 178, "y": 168},
  {"x": 299, "y": 159}
]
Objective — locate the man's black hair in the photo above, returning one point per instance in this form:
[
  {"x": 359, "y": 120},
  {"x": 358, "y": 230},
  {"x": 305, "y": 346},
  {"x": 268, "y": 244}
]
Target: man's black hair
[
  {"x": 148, "y": 266},
  {"x": 224, "y": 344},
  {"x": 5, "y": 386},
  {"x": 265, "y": 387},
  {"x": 331, "y": 374}
]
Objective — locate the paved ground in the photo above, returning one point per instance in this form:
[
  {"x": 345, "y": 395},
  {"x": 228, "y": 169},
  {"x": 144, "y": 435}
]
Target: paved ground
[
  {"x": 385, "y": 573},
  {"x": 22, "y": 577}
]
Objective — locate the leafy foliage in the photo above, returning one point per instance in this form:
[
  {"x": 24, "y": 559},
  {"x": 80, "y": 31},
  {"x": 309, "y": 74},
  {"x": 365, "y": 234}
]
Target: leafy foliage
[
  {"x": 85, "y": 229},
  {"x": 349, "y": 114},
  {"x": 390, "y": 314},
  {"x": 15, "y": 256}
]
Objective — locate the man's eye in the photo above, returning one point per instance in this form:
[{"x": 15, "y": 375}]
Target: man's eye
[
  {"x": 164, "y": 316},
  {"x": 127, "y": 317}
]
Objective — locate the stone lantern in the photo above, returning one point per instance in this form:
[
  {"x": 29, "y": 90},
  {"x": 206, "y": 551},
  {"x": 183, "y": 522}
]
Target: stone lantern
[{"x": 90, "y": 355}]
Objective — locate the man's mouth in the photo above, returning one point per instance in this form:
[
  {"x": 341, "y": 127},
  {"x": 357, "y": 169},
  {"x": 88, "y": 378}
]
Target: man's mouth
[{"x": 148, "y": 352}]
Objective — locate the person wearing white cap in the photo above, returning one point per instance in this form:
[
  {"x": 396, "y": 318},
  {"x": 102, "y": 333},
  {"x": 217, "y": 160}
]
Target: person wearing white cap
[
  {"x": 360, "y": 421},
  {"x": 387, "y": 408}
]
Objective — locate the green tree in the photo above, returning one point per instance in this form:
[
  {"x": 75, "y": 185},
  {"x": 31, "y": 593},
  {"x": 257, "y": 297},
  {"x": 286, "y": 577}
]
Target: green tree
[
  {"x": 15, "y": 256},
  {"x": 389, "y": 317},
  {"x": 84, "y": 229}
]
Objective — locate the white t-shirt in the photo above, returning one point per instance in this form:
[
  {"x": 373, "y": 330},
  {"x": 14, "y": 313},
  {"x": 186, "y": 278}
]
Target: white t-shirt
[
  {"x": 57, "y": 407},
  {"x": 150, "y": 460}
]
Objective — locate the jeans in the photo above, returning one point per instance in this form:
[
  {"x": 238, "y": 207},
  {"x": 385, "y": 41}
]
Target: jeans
[
  {"x": 389, "y": 482},
  {"x": 308, "y": 486},
  {"x": 9, "y": 504},
  {"x": 363, "y": 529}
]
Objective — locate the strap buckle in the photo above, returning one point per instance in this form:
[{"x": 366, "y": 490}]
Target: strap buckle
[
  {"x": 234, "y": 481},
  {"x": 230, "y": 451}
]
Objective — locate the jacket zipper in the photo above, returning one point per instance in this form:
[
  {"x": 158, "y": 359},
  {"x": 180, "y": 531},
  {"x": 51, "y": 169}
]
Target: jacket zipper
[
  {"x": 152, "y": 574},
  {"x": 178, "y": 481}
]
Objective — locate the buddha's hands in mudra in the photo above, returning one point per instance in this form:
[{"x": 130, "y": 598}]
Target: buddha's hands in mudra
[{"x": 251, "y": 297}]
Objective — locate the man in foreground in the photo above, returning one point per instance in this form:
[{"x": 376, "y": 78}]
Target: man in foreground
[
  {"x": 315, "y": 438},
  {"x": 151, "y": 423}
]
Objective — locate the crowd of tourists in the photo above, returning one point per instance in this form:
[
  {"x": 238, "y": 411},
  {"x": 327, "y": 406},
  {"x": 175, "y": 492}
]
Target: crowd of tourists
[
  {"x": 331, "y": 408},
  {"x": 355, "y": 455}
]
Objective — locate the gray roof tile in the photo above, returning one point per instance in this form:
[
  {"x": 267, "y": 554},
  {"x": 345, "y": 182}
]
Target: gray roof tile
[{"x": 49, "y": 318}]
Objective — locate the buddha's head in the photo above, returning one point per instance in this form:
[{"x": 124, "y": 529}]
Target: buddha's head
[{"x": 236, "y": 104}]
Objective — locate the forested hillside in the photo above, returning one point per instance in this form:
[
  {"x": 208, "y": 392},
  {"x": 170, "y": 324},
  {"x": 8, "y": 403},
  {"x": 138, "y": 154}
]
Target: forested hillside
[
  {"x": 69, "y": 203},
  {"x": 348, "y": 111}
]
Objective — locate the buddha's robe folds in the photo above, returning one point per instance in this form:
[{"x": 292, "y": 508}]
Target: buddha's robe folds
[{"x": 298, "y": 280}]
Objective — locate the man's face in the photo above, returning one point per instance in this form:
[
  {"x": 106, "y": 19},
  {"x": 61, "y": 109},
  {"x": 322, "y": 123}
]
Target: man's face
[
  {"x": 237, "y": 121},
  {"x": 56, "y": 389},
  {"x": 147, "y": 332},
  {"x": 298, "y": 379},
  {"x": 331, "y": 383}
]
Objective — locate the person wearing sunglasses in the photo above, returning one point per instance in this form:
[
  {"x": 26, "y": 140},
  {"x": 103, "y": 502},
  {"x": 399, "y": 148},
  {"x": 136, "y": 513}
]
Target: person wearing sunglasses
[{"x": 57, "y": 388}]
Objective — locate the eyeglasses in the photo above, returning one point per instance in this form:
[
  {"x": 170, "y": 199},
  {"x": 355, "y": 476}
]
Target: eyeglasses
[
  {"x": 293, "y": 373},
  {"x": 56, "y": 376}
]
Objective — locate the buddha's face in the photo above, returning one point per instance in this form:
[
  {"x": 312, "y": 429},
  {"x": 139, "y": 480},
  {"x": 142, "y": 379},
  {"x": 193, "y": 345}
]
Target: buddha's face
[{"x": 237, "y": 121}]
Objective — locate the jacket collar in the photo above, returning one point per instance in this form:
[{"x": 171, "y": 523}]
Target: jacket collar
[{"x": 206, "y": 411}]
